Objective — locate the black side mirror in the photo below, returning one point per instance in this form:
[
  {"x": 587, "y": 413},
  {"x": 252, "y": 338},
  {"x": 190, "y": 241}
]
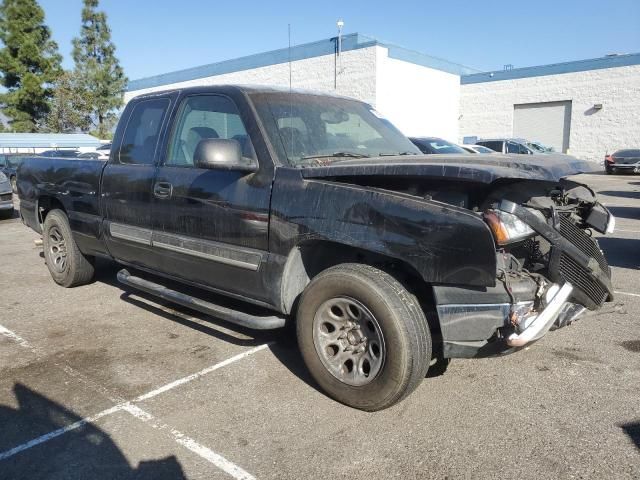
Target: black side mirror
[{"x": 222, "y": 154}]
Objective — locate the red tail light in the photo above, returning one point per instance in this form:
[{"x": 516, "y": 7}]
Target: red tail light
[{"x": 609, "y": 158}]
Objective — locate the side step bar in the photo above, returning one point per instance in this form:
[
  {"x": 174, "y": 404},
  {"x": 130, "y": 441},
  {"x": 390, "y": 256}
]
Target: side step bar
[{"x": 256, "y": 322}]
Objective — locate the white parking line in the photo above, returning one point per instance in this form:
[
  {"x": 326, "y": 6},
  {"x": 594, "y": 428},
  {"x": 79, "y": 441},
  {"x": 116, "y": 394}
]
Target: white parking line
[
  {"x": 193, "y": 376},
  {"x": 15, "y": 337},
  {"x": 628, "y": 293},
  {"x": 189, "y": 443},
  {"x": 56, "y": 433},
  {"x": 180, "y": 438}
]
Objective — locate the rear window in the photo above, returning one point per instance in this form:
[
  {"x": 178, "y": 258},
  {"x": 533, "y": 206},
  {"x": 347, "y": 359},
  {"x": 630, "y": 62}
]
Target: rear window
[
  {"x": 496, "y": 146},
  {"x": 141, "y": 135},
  {"x": 632, "y": 152}
]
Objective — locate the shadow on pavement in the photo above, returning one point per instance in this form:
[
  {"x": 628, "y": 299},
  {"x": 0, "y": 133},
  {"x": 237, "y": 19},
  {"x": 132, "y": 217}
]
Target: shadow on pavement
[
  {"x": 620, "y": 193},
  {"x": 87, "y": 452},
  {"x": 621, "y": 252},
  {"x": 284, "y": 346},
  {"x": 632, "y": 213},
  {"x": 633, "y": 430}
]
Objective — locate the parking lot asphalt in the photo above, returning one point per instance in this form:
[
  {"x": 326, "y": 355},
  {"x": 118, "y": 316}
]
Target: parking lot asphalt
[{"x": 98, "y": 382}]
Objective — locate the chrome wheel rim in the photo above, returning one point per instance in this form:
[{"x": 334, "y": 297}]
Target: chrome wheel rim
[
  {"x": 57, "y": 249},
  {"x": 349, "y": 341}
]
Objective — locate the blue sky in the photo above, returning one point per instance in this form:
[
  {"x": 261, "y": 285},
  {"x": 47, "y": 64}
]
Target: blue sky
[{"x": 158, "y": 36}]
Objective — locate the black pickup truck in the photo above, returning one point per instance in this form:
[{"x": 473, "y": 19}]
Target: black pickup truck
[{"x": 315, "y": 208}]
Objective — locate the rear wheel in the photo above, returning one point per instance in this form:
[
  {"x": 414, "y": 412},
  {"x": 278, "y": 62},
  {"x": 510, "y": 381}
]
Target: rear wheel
[
  {"x": 66, "y": 263},
  {"x": 363, "y": 336}
]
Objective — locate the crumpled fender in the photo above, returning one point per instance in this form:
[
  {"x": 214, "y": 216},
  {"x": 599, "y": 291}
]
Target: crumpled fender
[{"x": 443, "y": 243}]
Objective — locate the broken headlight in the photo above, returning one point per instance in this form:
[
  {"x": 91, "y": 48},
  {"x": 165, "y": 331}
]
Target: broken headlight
[{"x": 506, "y": 227}]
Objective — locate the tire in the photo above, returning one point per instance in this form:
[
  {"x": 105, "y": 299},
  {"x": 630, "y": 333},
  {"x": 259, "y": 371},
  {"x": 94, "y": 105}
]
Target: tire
[
  {"x": 6, "y": 214},
  {"x": 609, "y": 171},
  {"x": 360, "y": 301},
  {"x": 67, "y": 265},
  {"x": 14, "y": 184}
]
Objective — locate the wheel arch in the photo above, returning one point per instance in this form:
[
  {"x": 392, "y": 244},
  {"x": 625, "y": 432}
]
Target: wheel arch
[
  {"x": 308, "y": 259},
  {"x": 47, "y": 203}
]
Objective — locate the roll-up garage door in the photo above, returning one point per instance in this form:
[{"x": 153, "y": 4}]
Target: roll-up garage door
[{"x": 548, "y": 123}]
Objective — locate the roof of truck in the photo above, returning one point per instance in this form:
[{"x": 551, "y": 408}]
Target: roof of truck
[{"x": 246, "y": 89}]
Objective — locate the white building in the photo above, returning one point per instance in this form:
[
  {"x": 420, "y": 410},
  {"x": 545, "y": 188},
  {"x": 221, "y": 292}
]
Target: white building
[{"x": 588, "y": 107}]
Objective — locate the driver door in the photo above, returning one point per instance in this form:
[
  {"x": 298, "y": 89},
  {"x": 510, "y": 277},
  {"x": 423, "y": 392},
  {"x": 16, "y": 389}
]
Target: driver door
[{"x": 211, "y": 225}]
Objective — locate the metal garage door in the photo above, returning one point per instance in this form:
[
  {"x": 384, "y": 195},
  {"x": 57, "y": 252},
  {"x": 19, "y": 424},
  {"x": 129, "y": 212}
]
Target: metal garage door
[{"x": 547, "y": 122}]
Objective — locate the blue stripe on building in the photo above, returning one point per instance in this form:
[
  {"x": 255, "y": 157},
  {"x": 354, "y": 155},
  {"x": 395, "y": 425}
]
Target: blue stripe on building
[
  {"x": 355, "y": 41},
  {"x": 554, "y": 69}
]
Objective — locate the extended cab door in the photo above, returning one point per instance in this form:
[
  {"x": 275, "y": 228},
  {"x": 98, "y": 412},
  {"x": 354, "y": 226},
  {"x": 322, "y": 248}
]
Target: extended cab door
[
  {"x": 211, "y": 225},
  {"x": 127, "y": 181}
]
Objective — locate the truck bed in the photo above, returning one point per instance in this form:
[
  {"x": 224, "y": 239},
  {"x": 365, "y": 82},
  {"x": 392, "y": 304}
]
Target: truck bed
[{"x": 45, "y": 183}]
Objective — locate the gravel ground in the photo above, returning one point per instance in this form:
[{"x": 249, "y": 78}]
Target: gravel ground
[{"x": 98, "y": 383}]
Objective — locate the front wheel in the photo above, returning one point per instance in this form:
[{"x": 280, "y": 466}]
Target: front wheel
[
  {"x": 66, "y": 263},
  {"x": 363, "y": 336}
]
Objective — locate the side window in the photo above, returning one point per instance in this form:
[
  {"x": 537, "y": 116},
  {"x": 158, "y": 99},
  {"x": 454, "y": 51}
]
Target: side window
[
  {"x": 513, "y": 147},
  {"x": 142, "y": 132},
  {"x": 202, "y": 117},
  {"x": 493, "y": 145},
  {"x": 523, "y": 149}
]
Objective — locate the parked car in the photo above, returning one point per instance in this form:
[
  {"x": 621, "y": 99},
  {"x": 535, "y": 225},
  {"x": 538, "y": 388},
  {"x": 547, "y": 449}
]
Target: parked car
[
  {"x": 59, "y": 153},
  {"x": 9, "y": 163},
  {"x": 103, "y": 151},
  {"x": 477, "y": 149},
  {"x": 317, "y": 210},
  {"x": 627, "y": 160},
  {"x": 507, "y": 145},
  {"x": 432, "y": 145},
  {"x": 540, "y": 148},
  {"x": 6, "y": 197},
  {"x": 92, "y": 155}
]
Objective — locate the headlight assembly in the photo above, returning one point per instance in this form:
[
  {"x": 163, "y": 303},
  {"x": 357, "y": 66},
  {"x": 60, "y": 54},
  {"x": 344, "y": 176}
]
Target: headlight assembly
[
  {"x": 506, "y": 227},
  {"x": 3, "y": 177}
]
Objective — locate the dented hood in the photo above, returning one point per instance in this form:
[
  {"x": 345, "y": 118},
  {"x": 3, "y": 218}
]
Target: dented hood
[{"x": 471, "y": 167}]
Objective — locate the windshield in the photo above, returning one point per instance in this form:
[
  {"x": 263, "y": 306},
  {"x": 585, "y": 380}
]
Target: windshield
[
  {"x": 319, "y": 130},
  {"x": 536, "y": 148}
]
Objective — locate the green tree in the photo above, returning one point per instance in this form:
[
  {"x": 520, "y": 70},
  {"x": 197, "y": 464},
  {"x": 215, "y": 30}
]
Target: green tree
[
  {"x": 29, "y": 63},
  {"x": 97, "y": 65},
  {"x": 70, "y": 107}
]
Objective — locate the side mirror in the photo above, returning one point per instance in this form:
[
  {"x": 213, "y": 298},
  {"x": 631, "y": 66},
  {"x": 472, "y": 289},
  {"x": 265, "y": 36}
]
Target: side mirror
[{"x": 222, "y": 154}]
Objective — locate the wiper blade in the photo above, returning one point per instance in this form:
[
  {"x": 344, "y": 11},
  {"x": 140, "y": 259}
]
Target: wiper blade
[
  {"x": 396, "y": 154},
  {"x": 336, "y": 154}
]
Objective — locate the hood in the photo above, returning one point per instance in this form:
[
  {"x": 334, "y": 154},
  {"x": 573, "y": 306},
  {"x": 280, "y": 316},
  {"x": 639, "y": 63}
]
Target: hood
[{"x": 471, "y": 167}]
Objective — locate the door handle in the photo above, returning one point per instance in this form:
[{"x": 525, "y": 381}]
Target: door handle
[{"x": 162, "y": 190}]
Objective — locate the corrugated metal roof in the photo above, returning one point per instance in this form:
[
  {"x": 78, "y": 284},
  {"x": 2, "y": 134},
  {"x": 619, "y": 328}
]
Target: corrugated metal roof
[{"x": 47, "y": 140}]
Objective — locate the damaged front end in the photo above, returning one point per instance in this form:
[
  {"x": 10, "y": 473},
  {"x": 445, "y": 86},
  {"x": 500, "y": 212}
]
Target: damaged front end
[{"x": 550, "y": 269}]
